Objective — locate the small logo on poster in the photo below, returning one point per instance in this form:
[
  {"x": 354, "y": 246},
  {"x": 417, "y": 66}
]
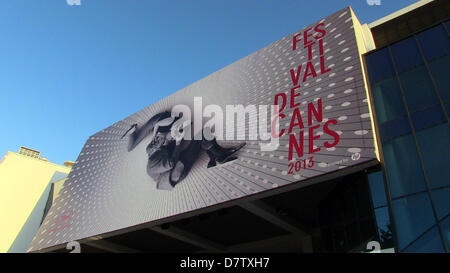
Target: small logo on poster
[{"x": 356, "y": 156}]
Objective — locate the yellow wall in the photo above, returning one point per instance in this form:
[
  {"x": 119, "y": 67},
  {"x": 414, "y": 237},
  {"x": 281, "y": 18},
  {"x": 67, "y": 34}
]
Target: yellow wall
[
  {"x": 365, "y": 43},
  {"x": 22, "y": 181},
  {"x": 57, "y": 186}
]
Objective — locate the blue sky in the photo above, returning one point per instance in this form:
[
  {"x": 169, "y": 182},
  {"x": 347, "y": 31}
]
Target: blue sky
[{"x": 67, "y": 72}]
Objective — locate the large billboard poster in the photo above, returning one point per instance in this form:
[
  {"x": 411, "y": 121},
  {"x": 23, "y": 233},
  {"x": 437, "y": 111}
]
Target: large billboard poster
[{"x": 294, "y": 110}]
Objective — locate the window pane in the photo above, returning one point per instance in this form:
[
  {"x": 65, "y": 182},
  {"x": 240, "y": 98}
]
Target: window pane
[
  {"x": 394, "y": 128},
  {"x": 418, "y": 89},
  {"x": 403, "y": 166},
  {"x": 431, "y": 242},
  {"x": 445, "y": 226},
  {"x": 442, "y": 202},
  {"x": 439, "y": 69},
  {"x": 384, "y": 228},
  {"x": 413, "y": 215},
  {"x": 434, "y": 42},
  {"x": 406, "y": 54},
  {"x": 376, "y": 183},
  {"x": 387, "y": 100},
  {"x": 434, "y": 144},
  {"x": 379, "y": 65},
  {"x": 427, "y": 118}
]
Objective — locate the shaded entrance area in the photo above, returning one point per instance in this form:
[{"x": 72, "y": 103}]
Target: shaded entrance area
[{"x": 332, "y": 216}]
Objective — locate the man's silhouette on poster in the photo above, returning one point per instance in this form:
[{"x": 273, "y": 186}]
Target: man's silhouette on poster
[{"x": 170, "y": 159}]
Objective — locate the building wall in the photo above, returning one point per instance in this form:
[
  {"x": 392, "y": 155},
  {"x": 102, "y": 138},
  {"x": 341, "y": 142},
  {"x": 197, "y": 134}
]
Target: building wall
[
  {"x": 410, "y": 89},
  {"x": 57, "y": 188},
  {"x": 23, "y": 181}
]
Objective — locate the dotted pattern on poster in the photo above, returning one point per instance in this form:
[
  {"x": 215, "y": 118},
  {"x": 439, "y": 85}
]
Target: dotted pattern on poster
[{"x": 109, "y": 189}]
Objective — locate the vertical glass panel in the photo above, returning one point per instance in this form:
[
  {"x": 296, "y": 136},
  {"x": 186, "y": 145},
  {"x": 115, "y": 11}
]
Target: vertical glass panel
[
  {"x": 413, "y": 216},
  {"x": 445, "y": 227},
  {"x": 418, "y": 89},
  {"x": 428, "y": 117},
  {"x": 403, "y": 166},
  {"x": 377, "y": 190},
  {"x": 387, "y": 100},
  {"x": 385, "y": 231},
  {"x": 406, "y": 54},
  {"x": 361, "y": 195},
  {"x": 430, "y": 243},
  {"x": 434, "y": 42},
  {"x": 434, "y": 145},
  {"x": 441, "y": 198},
  {"x": 379, "y": 65},
  {"x": 394, "y": 128},
  {"x": 439, "y": 69}
]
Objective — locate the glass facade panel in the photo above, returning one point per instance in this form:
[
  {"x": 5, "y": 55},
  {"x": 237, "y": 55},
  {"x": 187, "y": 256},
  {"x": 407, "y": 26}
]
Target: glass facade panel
[
  {"x": 394, "y": 128},
  {"x": 388, "y": 100},
  {"x": 445, "y": 227},
  {"x": 428, "y": 117},
  {"x": 441, "y": 201},
  {"x": 377, "y": 190},
  {"x": 346, "y": 217},
  {"x": 434, "y": 146},
  {"x": 385, "y": 232},
  {"x": 418, "y": 89},
  {"x": 379, "y": 65},
  {"x": 413, "y": 216},
  {"x": 412, "y": 83},
  {"x": 439, "y": 69},
  {"x": 403, "y": 166},
  {"x": 434, "y": 42},
  {"x": 430, "y": 242},
  {"x": 406, "y": 54}
]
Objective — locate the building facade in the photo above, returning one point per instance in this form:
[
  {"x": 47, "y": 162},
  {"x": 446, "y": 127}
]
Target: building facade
[
  {"x": 396, "y": 197},
  {"x": 29, "y": 184},
  {"x": 410, "y": 88}
]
